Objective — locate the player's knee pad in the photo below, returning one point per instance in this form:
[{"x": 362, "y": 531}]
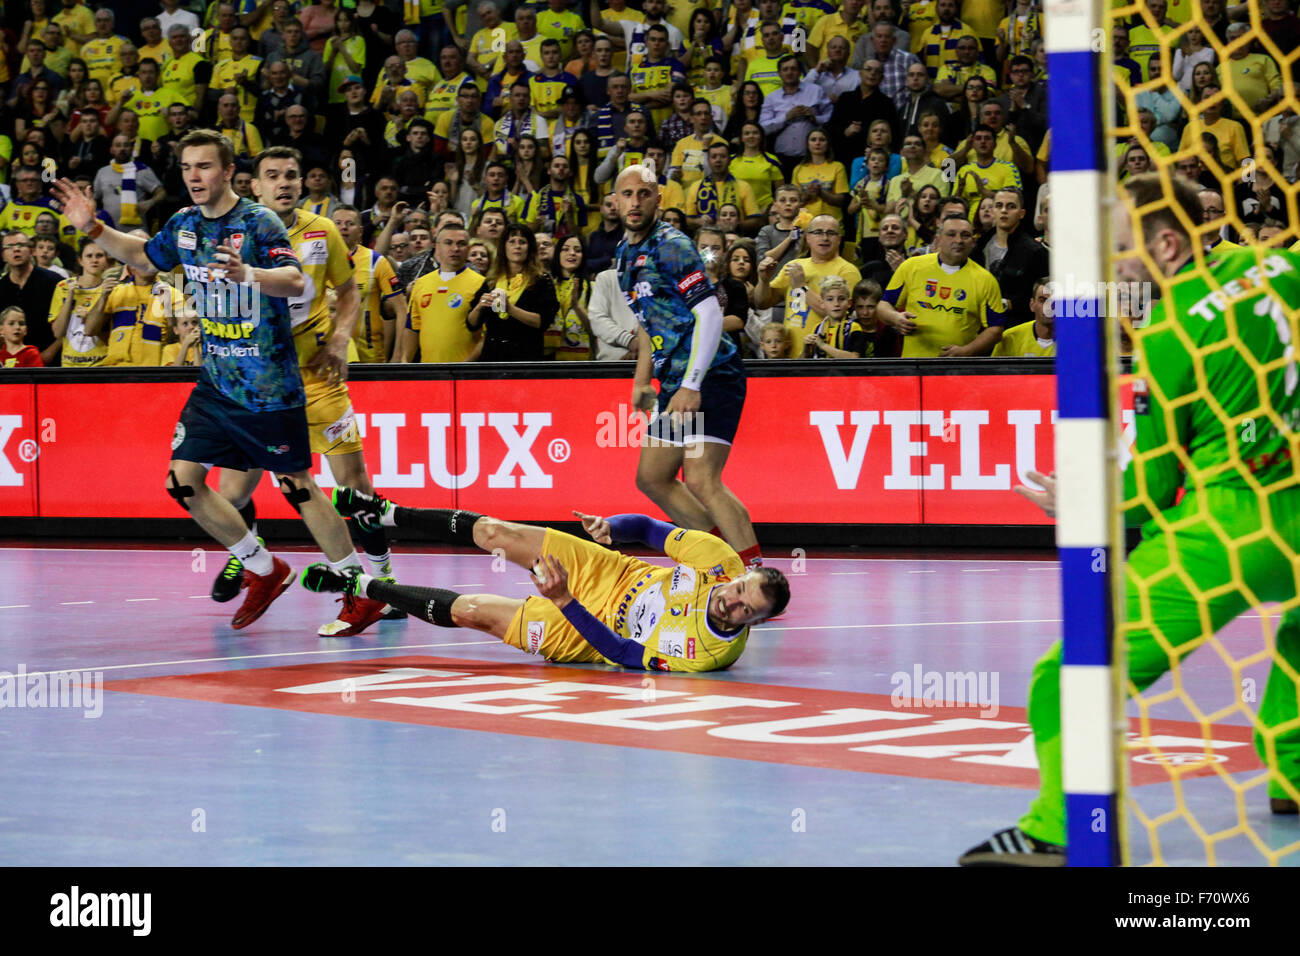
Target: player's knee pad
[
  {"x": 178, "y": 491},
  {"x": 297, "y": 495}
]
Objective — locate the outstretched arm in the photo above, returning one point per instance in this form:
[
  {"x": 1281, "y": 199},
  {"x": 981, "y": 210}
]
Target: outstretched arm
[
  {"x": 79, "y": 210},
  {"x": 627, "y": 528},
  {"x": 553, "y": 583}
]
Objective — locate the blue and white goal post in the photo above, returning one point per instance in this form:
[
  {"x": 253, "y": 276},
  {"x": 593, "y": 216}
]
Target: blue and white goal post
[{"x": 1088, "y": 533}]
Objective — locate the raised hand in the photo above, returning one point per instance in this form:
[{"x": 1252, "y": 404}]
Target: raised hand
[
  {"x": 595, "y": 526},
  {"x": 78, "y": 208}
]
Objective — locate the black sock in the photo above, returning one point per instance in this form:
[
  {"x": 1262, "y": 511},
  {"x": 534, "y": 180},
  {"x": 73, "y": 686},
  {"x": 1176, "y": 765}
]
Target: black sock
[
  {"x": 445, "y": 524},
  {"x": 372, "y": 542},
  {"x": 429, "y": 604},
  {"x": 249, "y": 514}
]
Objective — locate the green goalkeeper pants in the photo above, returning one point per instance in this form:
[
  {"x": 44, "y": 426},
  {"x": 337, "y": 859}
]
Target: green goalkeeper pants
[{"x": 1216, "y": 560}]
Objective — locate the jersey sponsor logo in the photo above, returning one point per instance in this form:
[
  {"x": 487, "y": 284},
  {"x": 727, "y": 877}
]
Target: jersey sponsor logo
[
  {"x": 186, "y": 240},
  {"x": 937, "y": 737},
  {"x": 455, "y": 301},
  {"x": 277, "y": 449},
  {"x": 314, "y": 253},
  {"x": 339, "y": 430},
  {"x": 645, "y": 613},
  {"x": 673, "y": 643},
  {"x": 536, "y": 634},
  {"x": 425, "y": 300},
  {"x": 694, "y": 279},
  {"x": 683, "y": 581},
  {"x": 277, "y": 252},
  {"x": 1141, "y": 397},
  {"x": 316, "y": 234},
  {"x": 679, "y": 535},
  {"x": 178, "y": 436}
]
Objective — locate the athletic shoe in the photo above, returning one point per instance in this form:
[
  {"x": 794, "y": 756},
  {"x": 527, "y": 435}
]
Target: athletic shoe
[
  {"x": 393, "y": 613},
  {"x": 321, "y": 577},
  {"x": 1283, "y": 805},
  {"x": 367, "y": 510},
  {"x": 1013, "y": 847},
  {"x": 358, "y": 614},
  {"x": 231, "y": 579},
  {"x": 262, "y": 590}
]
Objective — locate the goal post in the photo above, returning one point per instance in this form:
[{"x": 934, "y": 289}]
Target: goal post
[{"x": 1088, "y": 538}]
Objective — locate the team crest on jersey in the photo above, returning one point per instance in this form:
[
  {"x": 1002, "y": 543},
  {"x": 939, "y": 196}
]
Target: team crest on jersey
[
  {"x": 716, "y": 571},
  {"x": 455, "y": 301},
  {"x": 945, "y": 292},
  {"x": 640, "y": 261},
  {"x": 236, "y": 240},
  {"x": 930, "y": 286},
  {"x": 536, "y": 634},
  {"x": 961, "y": 295}
]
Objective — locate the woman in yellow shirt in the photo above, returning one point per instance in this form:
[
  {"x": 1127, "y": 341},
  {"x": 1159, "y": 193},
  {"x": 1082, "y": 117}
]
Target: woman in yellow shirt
[
  {"x": 582, "y": 162},
  {"x": 930, "y": 126},
  {"x": 756, "y": 166},
  {"x": 824, "y": 182},
  {"x": 571, "y": 334}
]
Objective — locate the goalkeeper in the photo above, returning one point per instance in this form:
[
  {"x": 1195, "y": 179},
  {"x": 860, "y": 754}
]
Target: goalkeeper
[{"x": 1217, "y": 406}]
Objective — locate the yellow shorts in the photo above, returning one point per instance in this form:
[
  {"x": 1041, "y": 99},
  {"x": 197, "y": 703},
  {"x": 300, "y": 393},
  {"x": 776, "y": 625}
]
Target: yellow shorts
[
  {"x": 330, "y": 420},
  {"x": 598, "y": 578}
]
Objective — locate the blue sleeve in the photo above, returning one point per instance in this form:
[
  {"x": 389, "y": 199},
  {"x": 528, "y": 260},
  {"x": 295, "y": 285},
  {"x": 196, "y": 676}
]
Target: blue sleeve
[
  {"x": 640, "y": 528},
  {"x": 162, "y": 249},
  {"x": 681, "y": 260},
  {"x": 620, "y": 650},
  {"x": 272, "y": 242}
]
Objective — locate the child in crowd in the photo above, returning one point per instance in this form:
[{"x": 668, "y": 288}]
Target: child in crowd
[
  {"x": 187, "y": 349},
  {"x": 773, "y": 341},
  {"x": 14, "y": 353}
]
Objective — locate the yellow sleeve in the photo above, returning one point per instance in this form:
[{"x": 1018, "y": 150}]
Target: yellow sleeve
[
  {"x": 692, "y": 195},
  {"x": 991, "y": 301},
  {"x": 745, "y": 193},
  {"x": 338, "y": 267},
  {"x": 781, "y": 281},
  {"x": 56, "y": 300},
  {"x": 899, "y": 281},
  {"x": 703, "y": 551},
  {"x": 841, "y": 179}
]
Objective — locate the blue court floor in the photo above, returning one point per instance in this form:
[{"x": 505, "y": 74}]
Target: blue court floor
[{"x": 280, "y": 754}]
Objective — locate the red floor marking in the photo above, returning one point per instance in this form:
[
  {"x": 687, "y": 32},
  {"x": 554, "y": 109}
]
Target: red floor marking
[{"x": 840, "y": 730}]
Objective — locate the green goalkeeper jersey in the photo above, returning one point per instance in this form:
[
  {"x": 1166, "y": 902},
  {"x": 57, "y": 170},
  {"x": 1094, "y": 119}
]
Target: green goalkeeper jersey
[{"x": 1215, "y": 377}]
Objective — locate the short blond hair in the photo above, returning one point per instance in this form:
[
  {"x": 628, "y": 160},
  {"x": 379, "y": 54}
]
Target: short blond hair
[
  {"x": 775, "y": 326},
  {"x": 833, "y": 284}
]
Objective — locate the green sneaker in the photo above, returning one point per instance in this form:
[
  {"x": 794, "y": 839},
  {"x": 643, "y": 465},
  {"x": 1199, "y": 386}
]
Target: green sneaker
[
  {"x": 367, "y": 510},
  {"x": 231, "y": 579},
  {"x": 321, "y": 577}
]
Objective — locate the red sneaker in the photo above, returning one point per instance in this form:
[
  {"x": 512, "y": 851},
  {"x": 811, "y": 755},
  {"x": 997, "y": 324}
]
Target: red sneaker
[
  {"x": 358, "y": 613},
  {"x": 262, "y": 590}
]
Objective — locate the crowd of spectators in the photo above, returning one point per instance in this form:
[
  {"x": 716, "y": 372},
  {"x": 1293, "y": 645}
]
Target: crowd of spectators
[{"x": 862, "y": 179}]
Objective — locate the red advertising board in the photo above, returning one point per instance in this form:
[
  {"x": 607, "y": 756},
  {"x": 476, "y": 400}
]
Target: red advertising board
[
  {"x": 884, "y": 449},
  {"x": 19, "y": 450}
]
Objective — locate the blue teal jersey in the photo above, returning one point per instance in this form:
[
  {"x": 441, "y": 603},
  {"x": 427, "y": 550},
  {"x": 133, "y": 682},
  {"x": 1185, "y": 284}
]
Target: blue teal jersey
[
  {"x": 248, "y": 350},
  {"x": 663, "y": 279}
]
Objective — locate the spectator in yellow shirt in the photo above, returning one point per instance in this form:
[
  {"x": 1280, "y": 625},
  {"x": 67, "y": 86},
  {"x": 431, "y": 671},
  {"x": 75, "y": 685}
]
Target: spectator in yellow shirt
[{"x": 1228, "y": 134}]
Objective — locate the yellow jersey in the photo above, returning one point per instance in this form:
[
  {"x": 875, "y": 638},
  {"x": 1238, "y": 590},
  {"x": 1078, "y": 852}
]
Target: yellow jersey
[
  {"x": 562, "y": 27},
  {"x": 951, "y": 308},
  {"x": 690, "y": 153},
  {"x": 832, "y": 25},
  {"x": 121, "y": 86},
  {"x": 1020, "y": 342},
  {"x": 994, "y": 176},
  {"x": 667, "y": 609},
  {"x": 762, "y": 173},
  {"x": 647, "y": 77},
  {"x": 488, "y": 46},
  {"x": 103, "y": 59},
  {"x": 831, "y": 176},
  {"x": 79, "y": 349},
  {"x": 160, "y": 53},
  {"x": 245, "y": 138},
  {"x": 626, "y": 15},
  {"x": 152, "y": 110},
  {"x": 325, "y": 264},
  {"x": 437, "y": 309},
  {"x": 441, "y": 98},
  {"x": 376, "y": 284},
  {"x": 225, "y": 76},
  {"x": 22, "y": 216},
  {"x": 800, "y": 319},
  {"x": 137, "y": 317},
  {"x": 178, "y": 76}
]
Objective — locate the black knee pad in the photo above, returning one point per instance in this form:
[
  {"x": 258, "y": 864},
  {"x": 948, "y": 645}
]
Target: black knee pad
[
  {"x": 296, "y": 496},
  {"x": 178, "y": 491}
]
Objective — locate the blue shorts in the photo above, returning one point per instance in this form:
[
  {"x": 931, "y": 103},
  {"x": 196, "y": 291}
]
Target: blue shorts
[
  {"x": 722, "y": 399},
  {"x": 215, "y": 431}
]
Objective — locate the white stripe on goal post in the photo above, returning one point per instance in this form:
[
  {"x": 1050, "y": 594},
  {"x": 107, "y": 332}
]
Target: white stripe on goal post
[{"x": 1079, "y": 165}]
